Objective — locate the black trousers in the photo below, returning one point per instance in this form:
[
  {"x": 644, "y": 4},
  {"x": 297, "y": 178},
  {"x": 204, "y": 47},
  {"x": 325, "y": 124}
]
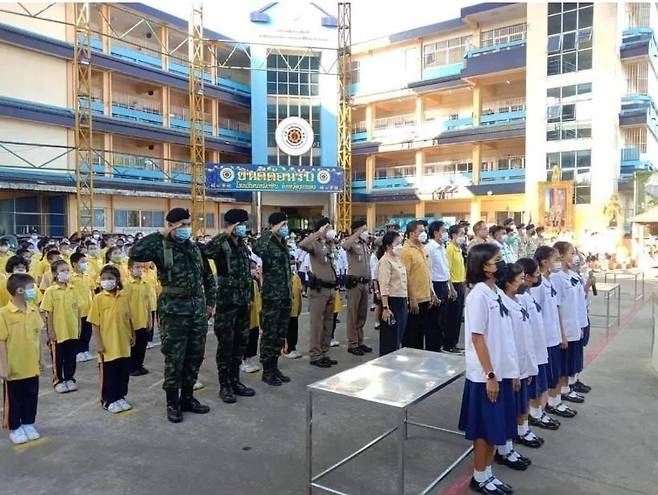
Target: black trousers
[
  {"x": 138, "y": 351},
  {"x": 20, "y": 406},
  {"x": 390, "y": 335},
  {"x": 149, "y": 332},
  {"x": 454, "y": 318},
  {"x": 437, "y": 318},
  {"x": 293, "y": 334},
  {"x": 63, "y": 356},
  {"x": 85, "y": 335},
  {"x": 418, "y": 327},
  {"x": 252, "y": 343},
  {"x": 115, "y": 376}
]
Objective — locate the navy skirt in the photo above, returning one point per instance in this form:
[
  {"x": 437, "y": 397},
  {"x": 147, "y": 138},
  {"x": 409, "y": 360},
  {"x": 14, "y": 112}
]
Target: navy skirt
[
  {"x": 575, "y": 358},
  {"x": 554, "y": 366},
  {"x": 521, "y": 399},
  {"x": 482, "y": 419},
  {"x": 586, "y": 332},
  {"x": 539, "y": 383}
]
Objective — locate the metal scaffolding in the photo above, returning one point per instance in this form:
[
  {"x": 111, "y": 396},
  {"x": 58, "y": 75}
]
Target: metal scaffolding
[
  {"x": 344, "y": 219},
  {"x": 84, "y": 175},
  {"x": 197, "y": 120}
]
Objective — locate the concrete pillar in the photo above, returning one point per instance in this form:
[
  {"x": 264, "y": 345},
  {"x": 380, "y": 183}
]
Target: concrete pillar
[
  {"x": 370, "y": 171},
  {"x": 371, "y": 116},
  {"x": 107, "y": 93},
  {"x": 214, "y": 47},
  {"x": 476, "y": 210},
  {"x": 371, "y": 216},
  {"x": 166, "y": 105},
  {"x": 166, "y": 160},
  {"x": 477, "y": 162},
  {"x": 420, "y": 111},
  {"x": 164, "y": 37},
  {"x": 107, "y": 146},
  {"x": 420, "y": 166},
  {"x": 420, "y": 209},
  {"x": 214, "y": 114},
  {"x": 105, "y": 27},
  {"x": 477, "y": 104}
]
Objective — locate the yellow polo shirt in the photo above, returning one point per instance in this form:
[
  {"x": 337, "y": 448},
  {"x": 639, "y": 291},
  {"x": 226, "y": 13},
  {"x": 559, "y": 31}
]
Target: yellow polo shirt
[
  {"x": 20, "y": 331},
  {"x": 414, "y": 259},
  {"x": 456, "y": 264},
  {"x": 140, "y": 296},
  {"x": 95, "y": 265},
  {"x": 62, "y": 304},
  {"x": 3, "y": 261},
  {"x": 151, "y": 276},
  {"x": 111, "y": 314},
  {"x": 84, "y": 288},
  {"x": 296, "y": 289},
  {"x": 256, "y": 306}
]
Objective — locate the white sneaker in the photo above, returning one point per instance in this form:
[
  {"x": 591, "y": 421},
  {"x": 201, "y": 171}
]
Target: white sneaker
[
  {"x": 89, "y": 356},
  {"x": 150, "y": 345},
  {"x": 31, "y": 432},
  {"x": 61, "y": 388},
  {"x": 198, "y": 385},
  {"x": 81, "y": 357},
  {"x": 115, "y": 408},
  {"x": 125, "y": 405},
  {"x": 71, "y": 385},
  {"x": 245, "y": 366},
  {"x": 290, "y": 355},
  {"x": 334, "y": 343},
  {"x": 255, "y": 363},
  {"x": 296, "y": 354},
  {"x": 18, "y": 436}
]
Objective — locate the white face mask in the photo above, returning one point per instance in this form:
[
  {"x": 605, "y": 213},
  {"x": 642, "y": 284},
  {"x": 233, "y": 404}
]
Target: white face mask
[
  {"x": 364, "y": 236},
  {"x": 557, "y": 266},
  {"x": 331, "y": 234},
  {"x": 63, "y": 277},
  {"x": 20, "y": 270},
  {"x": 397, "y": 249},
  {"x": 422, "y": 237},
  {"x": 108, "y": 284}
]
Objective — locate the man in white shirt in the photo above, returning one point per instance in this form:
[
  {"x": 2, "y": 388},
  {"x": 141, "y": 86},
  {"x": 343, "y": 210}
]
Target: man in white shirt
[{"x": 440, "y": 275}]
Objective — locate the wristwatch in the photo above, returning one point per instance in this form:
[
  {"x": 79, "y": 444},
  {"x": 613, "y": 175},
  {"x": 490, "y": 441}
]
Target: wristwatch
[{"x": 491, "y": 375}]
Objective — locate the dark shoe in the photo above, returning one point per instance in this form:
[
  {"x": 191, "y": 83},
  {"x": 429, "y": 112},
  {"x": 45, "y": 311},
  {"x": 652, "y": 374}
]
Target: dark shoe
[
  {"x": 581, "y": 388},
  {"x": 320, "y": 363},
  {"x": 174, "y": 413},
  {"x": 567, "y": 412},
  {"x": 189, "y": 404},
  {"x": 545, "y": 422},
  {"x": 141, "y": 371},
  {"x": 517, "y": 465},
  {"x": 241, "y": 390},
  {"x": 453, "y": 350},
  {"x": 365, "y": 348},
  {"x": 355, "y": 350},
  {"x": 332, "y": 362},
  {"x": 503, "y": 487},
  {"x": 482, "y": 487},
  {"x": 281, "y": 376},
  {"x": 523, "y": 458},
  {"x": 226, "y": 393},
  {"x": 270, "y": 377},
  {"x": 573, "y": 397},
  {"x": 533, "y": 443}
]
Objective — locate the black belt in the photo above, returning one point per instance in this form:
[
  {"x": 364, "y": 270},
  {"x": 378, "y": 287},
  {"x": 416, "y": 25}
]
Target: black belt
[
  {"x": 361, "y": 280},
  {"x": 326, "y": 285}
]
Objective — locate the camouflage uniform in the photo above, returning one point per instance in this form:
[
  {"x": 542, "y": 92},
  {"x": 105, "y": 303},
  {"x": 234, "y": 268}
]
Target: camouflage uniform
[
  {"x": 276, "y": 296},
  {"x": 234, "y": 296},
  {"x": 188, "y": 288}
]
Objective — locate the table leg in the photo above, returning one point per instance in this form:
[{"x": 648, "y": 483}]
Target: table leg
[
  {"x": 402, "y": 434},
  {"x": 618, "y": 306},
  {"x": 406, "y": 425},
  {"x": 309, "y": 440},
  {"x": 607, "y": 314}
]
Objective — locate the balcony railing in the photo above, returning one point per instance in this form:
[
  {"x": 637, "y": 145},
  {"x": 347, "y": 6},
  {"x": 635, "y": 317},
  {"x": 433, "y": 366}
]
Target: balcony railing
[
  {"x": 128, "y": 108},
  {"x": 638, "y": 15}
]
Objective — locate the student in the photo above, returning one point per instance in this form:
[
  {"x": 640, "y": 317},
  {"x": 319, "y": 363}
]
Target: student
[
  {"x": 487, "y": 412},
  {"x": 47, "y": 278},
  {"x": 290, "y": 350},
  {"x": 250, "y": 360},
  {"x": 20, "y": 356},
  {"x": 538, "y": 384},
  {"x": 94, "y": 259},
  {"x": 114, "y": 257},
  {"x": 569, "y": 290},
  {"x": 84, "y": 288},
  {"x": 338, "y": 308},
  {"x": 5, "y": 254},
  {"x": 141, "y": 313},
  {"x": 60, "y": 302},
  {"x": 547, "y": 259},
  {"x": 18, "y": 265},
  {"x": 510, "y": 282},
  {"x": 455, "y": 305},
  {"x": 109, "y": 316},
  {"x": 583, "y": 314},
  {"x": 151, "y": 277}
]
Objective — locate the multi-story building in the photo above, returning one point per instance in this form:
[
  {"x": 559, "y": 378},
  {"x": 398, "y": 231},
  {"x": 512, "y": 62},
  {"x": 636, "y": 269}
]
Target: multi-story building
[{"x": 465, "y": 118}]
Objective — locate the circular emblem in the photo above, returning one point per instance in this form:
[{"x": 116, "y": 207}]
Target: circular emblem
[
  {"x": 324, "y": 176},
  {"x": 227, "y": 174},
  {"x": 294, "y": 136}
]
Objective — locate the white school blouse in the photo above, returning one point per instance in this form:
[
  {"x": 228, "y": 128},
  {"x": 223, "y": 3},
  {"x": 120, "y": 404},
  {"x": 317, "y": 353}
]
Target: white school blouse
[
  {"x": 533, "y": 307},
  {"x": 567, "y": 288},
  {"x": 483, "y": 316},
  {"x": 525, "y": 345},
  {"x": 546, "y": 296},
  {"x": 581, "y": 301}
]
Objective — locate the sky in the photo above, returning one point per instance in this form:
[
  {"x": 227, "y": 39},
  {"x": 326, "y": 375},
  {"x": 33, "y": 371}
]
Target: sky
[{"x": 370, "y": 18}]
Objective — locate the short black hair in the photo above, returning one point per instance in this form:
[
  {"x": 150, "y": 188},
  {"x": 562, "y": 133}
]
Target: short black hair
[
  {"x": 509, "y": 272},
  {"x": 357, "y": 224},
  {"x": 22, "y": 252},
  {"x": 56, "y": 265},
  {"x": 18, "y": 280},
  {"x": 478, "y": 256},
  {"x": 539, "y": 229},
  {"x": 53, "y": 252},
  {"x": 454, "y": 229},
  {"x": 108, "y": 253},
  {"x": 113, "y": 270},
  {"x": 77, "y": 256},
  {"x": 495, "y": 229},
  {"x": 562, "y": 247},
  {"x": 15, "y": 261},
  {"x": 509, "y": 230},
  {"x": 435, "y": 226},
  {"x": 413, "y": 225},
  {"x": 543, "y": 253},
  {"x": 507, "y": 222},
  {"x": 529, "y": 265}
]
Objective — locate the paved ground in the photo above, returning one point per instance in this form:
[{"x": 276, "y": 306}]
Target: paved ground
[{"x": 257, "y": 446}]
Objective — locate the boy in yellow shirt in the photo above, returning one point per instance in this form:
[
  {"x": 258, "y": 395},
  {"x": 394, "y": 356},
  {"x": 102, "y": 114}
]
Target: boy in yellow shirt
[
  {"x": 141, "y": 299},
  {"x": 109, "y": 316},
  {"x": 250, "y": 361},
  {"x": 60, "y": 302},
  {"x": 20, "y": 356},
  {"x": 17, "y": 265},
  {"x": 290, "y": 350},
  {"x": 5, "y": 254},
  {"x": 47, "y": 275},
  {"x": 151, "y": 277},
  {"x": 84, "y": 288}
]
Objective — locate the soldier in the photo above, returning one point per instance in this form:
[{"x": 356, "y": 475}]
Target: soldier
[
  {"x": 234, "y": 295},
  {"x": 357, "y": 284},
  {"x": 184, "y": 308},
  {"x": 532, "y": 242},
  {"x": 276, "y": 296},
  {"x": 322, "y": 289}
]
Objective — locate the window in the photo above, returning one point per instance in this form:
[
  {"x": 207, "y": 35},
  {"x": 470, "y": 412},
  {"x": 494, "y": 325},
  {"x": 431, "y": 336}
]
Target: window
[
  {"x": 138, "y": 218},
  {"x": 569, "y": 112},
  {"x": 576, "y": 166},
  {"x": 210, "y": 220},
  {"x": 99, "y": 217},
  {"x": 445, "y": 52},
  {"x": 293, "y": 75},
  {"x": 356, "y": 72},
  {"x": 569, "y": 37},
  {"x": 502, "y": 35}
]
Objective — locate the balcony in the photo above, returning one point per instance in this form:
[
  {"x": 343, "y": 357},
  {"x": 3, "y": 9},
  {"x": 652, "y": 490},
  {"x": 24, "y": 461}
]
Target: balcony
[
  {"x": 502, "y": 176},
  {"x": 136, "y": 111},
  {"x": 97, "y": 105},
  {"x": 136, "y": 54},
  {"x": 234, "y": 129},
  {"x": 634, "y": 160},
  {"x": 639, "y": 110},
  {"x": 184, "y": 70}
]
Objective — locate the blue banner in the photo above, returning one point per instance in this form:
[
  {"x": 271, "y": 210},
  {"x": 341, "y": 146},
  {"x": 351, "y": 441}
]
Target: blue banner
[{"x": 275, "y": 178}]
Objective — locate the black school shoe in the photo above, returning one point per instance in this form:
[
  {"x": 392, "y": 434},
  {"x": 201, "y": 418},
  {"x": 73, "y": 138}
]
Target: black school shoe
[
  {"x": 545, "y": 422},
  {"x": 365, "y": 348},
  {"x": 320, "y": 363},
  {"x": 141, "y": 371},
  {"x": 518, "y": 465},
  {"x": 503, "y": 489},
  {"x": 581, "y": 388},
  {"x": 533, "y": 443},
  {"x": 329, "y": 361},
  {"x": 573, "y": 397},
  {"x": 523, "y": 458},
  {"x": 567, "y": 412}
]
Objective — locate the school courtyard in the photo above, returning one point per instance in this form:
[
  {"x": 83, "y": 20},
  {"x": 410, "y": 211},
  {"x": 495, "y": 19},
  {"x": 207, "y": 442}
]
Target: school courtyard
[{"x": 257, "y": 446}]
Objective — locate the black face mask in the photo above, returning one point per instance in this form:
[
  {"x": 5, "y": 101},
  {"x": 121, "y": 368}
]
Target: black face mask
[
  {"x": 500, "y": 266},
  {"x": 538, "y": 282}
]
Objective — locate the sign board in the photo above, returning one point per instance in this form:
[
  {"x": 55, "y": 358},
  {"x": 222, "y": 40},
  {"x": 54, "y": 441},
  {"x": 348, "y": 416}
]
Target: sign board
[
  {"x": 274, "y": 178},
  {"x": 294, "y": 136}
]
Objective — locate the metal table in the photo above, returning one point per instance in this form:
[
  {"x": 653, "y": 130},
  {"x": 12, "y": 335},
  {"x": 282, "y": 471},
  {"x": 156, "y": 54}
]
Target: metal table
[
  {"x": 397, "y": 380},
  {"x": 609, "y": 290},
  {"x": 636, "y": 275}
]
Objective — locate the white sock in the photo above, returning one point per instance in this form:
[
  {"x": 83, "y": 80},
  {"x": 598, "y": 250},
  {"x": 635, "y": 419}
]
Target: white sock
[
  {"x": 490, "y": 474},
  {"x": 522, "y": 429},
  {"x": 565, "y": 390},
  {"x": 502, "y": 450},
  {"x": 480, "y": 476},
  {"x": 572, "y": 380},
  {"x": 535, "y": 412},
  {"x": 510, "y": 445},
  {"x": 553, "y": 401}
]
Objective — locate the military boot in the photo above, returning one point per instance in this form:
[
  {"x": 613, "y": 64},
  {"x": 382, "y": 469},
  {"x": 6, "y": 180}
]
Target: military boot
[
  {"x": 277, "y": 372},
  {"x": 269, "y": 374},
  {"x": 240, "y": 388},
  {"x": 189, "y": 404},
  {"x": 174, "y": 413},
  {"x": 225, "y": 388}
]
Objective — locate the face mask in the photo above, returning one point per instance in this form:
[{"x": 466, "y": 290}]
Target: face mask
[
  {"x": 131, "y": 240},
  {"x": 538, "y": 282},
  {"x": 138, "y": 272},
  {"x": 34, "y": 237},
  {"x": 254, "y": 273},
  {"x": 364, "y": 236},
  {"x": 83, "y": 267},
  {"x": 63, "y": 277},
  {"x": 557, "y": 266},
  {"x": 422, "y": 237},
  {"x": 504, "y": 238},
  {"x": 94, "y": 252},
  {"x": 31, "y": 294},
  {"x": 97, "y": 236},
  {"x": 108, "y": 284},
  {"x": 500, "y": 266},
  {"x": 4, "y": 249},
  {"x": 183, "y": 233},
  {"x": 284, "y": 231},
  {"x": 331, "y": 234},
  {"x": 20, "y": 270},
  {"x": 397, "y": 250},
  {"x": 241, "y": 230},
  {"x": 461, "y": 240},
  {"x": 117, "y": 258},
  {"x": 293, "y": 269},
  {"x": 444, "y": 237}
]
